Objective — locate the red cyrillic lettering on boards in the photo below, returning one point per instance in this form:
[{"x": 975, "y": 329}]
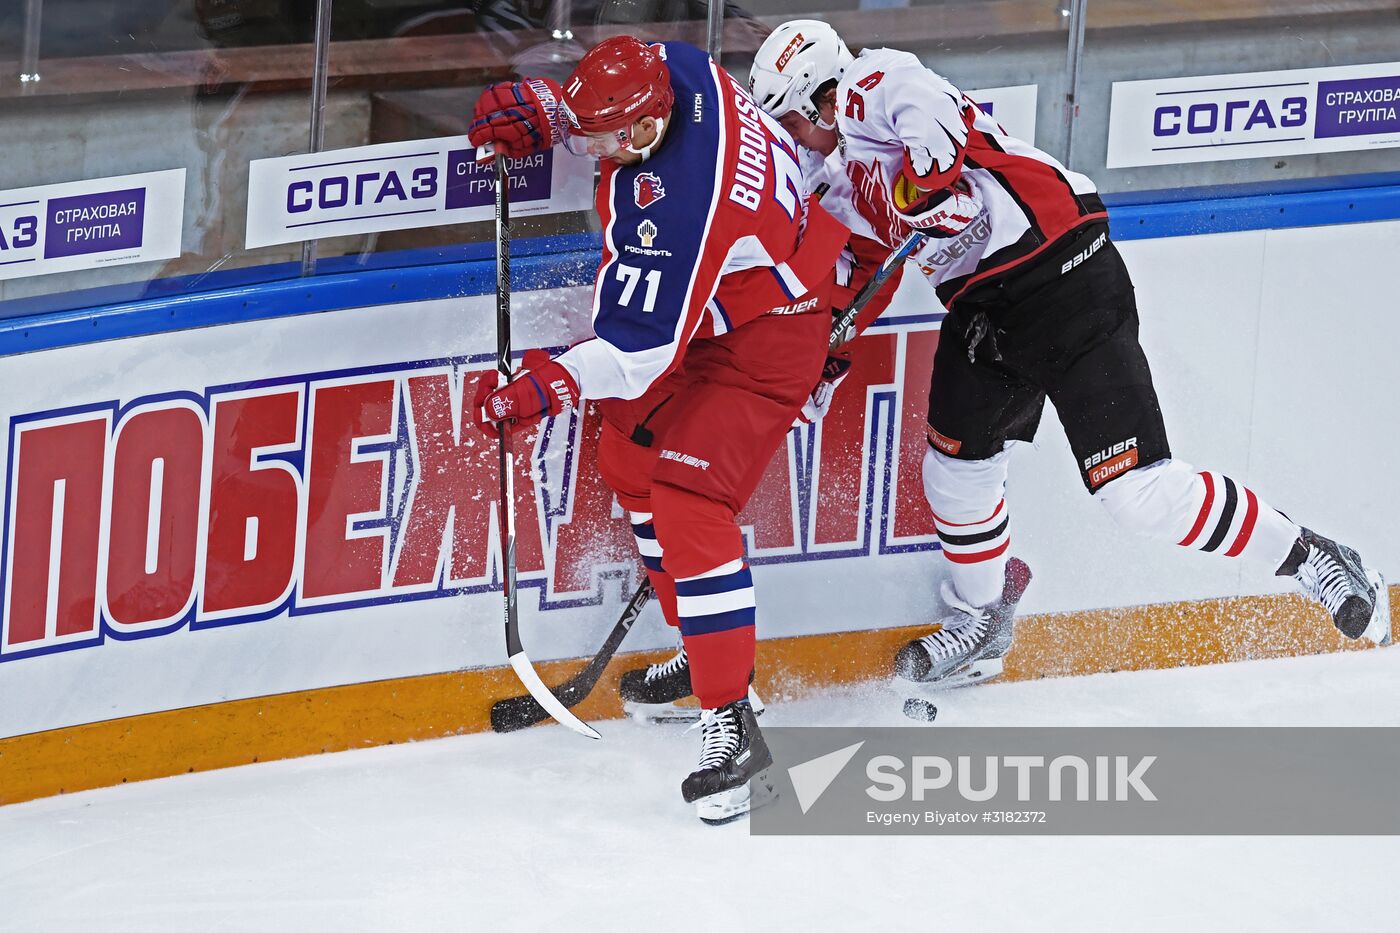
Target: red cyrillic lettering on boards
[
  {"x": 591, "y": 536},
  {"x": 529, "y": 547},
  {"x": 843, "y": 457},
  {"x": 56, "y": 533},
  {"x": 458, "y": 475},
  {"x": 254, "y": 508},
  {"x": 456, "y": 480},
  {"x": 153, "y": 538},
  {"x": 911, "y": 514},
  {"x": 770, "y": 510},
  {"x": 343, "y": 486}
]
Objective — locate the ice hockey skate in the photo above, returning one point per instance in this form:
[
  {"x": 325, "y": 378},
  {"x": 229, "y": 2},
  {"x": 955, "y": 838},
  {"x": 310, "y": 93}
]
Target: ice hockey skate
[
  {"x": 655, "y": 693},
  {"x": 732, "y": 776},
  {"x": 968, "y": 644},
  {"x": 1331, "y": 573}
]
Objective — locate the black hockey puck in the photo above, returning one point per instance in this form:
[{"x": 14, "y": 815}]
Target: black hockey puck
[{"x": 922, "y": 710}]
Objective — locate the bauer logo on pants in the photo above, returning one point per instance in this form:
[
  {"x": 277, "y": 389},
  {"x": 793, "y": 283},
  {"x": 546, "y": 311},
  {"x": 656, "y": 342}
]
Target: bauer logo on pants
[{"x": 1106, "y": 464}]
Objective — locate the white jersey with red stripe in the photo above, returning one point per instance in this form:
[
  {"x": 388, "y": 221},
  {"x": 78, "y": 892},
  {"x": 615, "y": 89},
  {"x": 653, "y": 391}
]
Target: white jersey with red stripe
[
  {"x": 700, "y": 238},
  {"x": 894, "y": 117}
]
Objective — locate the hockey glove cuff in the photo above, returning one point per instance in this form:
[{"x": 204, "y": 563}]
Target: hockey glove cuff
[
  {"x": 541, "y": 387},
  {"x": 942, "y": 213},
  {"x": 518, "y": 119},
  {"x": 837, "y": 367}
]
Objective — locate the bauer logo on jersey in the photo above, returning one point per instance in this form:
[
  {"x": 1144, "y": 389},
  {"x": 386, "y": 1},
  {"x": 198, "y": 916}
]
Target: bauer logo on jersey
[
  {"x": 646, "y": 231},
  {"x": 647, "y": 189}
]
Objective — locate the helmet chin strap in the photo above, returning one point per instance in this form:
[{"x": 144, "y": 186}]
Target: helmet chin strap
[
  {"x": 823, "y": 125},
  {"x": 646, "y": 151}
]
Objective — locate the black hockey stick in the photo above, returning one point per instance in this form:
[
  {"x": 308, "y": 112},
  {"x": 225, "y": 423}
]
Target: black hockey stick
[
  {"x": 843, "y": 327},
  {"x": 519, "y": 712},
  {"x": 519, "y": 661}
]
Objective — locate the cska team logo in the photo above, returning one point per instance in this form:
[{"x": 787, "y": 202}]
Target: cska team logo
[{"x": 647, "y": 190}]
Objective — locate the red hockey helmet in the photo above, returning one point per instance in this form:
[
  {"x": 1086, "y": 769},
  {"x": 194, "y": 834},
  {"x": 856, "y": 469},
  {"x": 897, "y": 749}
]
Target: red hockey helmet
[{"x": 618, "y": 82}]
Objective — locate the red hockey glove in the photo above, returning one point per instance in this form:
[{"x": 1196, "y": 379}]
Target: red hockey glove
[
  {"x": 518, "y": 119},
  {"x": 941, "y": 213},
  {"x": 838, "y": 366},
  {"x": 541, "y": 387}
]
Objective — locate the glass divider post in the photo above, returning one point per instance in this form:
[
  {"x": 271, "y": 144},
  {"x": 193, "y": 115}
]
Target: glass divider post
[
  {"x": 319, "y": 79},
  {"x": 1078, "y": 13},
  {"x": 714, "y": 31},
  {"x": 29, "y": 51}
]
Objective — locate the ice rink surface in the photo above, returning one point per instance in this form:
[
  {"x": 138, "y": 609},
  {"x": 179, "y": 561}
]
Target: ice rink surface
[{"x": 545, "y": 830}]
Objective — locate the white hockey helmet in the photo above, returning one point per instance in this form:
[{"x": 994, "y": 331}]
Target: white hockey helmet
[{"x": 793, "y": 63}]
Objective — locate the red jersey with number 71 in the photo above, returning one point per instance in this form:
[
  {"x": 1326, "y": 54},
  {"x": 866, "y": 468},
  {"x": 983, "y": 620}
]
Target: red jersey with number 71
[{"x": 713, "y": 230}]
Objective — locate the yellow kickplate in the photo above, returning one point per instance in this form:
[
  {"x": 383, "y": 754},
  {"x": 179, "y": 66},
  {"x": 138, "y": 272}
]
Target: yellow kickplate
[{"x": 383, "y": 712}]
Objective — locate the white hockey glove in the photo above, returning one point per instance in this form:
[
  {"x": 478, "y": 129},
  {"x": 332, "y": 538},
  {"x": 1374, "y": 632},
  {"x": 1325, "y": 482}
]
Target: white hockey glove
[
  {"x": 846, "y": 263},
  {"x": 816, "y": 407},
  {"x": 941, "y": 213}
]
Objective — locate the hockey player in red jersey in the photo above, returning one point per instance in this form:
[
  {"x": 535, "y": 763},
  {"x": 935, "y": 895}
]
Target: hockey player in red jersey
[
  {"x": 1039, "y": 304},
  {"x": 711, "y": 317}
]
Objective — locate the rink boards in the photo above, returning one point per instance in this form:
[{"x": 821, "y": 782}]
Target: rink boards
[{"x": 277, "y": 537}]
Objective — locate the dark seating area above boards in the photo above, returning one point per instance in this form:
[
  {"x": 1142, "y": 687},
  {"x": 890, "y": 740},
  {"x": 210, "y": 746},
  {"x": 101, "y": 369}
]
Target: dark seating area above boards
[{"x": 265, "y": 46}]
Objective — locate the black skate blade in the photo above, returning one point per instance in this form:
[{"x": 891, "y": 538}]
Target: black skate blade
[
  {"x": 662, "y": 713},
  {"x": 1378, "y": 628},
  {"x": 969, "y": 675},
  {"x": 738, "y": 802}
]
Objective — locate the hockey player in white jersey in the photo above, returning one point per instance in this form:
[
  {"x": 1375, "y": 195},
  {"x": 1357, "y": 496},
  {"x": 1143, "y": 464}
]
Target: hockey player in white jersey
[{"x": 1040, "y": 304}]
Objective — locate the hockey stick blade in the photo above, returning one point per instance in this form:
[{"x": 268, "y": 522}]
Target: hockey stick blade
[
  {"x": 521, "y": 712},
  {"x": 526, "y": 672}
]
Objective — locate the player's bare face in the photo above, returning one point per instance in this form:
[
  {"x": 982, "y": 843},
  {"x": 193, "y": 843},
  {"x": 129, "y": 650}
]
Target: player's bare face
[
  {"x": 641, "y": 136},
  {"x": 808, "y": 134}
]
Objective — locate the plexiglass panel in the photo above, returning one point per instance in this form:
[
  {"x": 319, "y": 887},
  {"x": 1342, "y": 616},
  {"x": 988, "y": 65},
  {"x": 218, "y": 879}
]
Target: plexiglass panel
[
  {"x": 92, "y": 89},
  {"x": 1235, "y": 97}
]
